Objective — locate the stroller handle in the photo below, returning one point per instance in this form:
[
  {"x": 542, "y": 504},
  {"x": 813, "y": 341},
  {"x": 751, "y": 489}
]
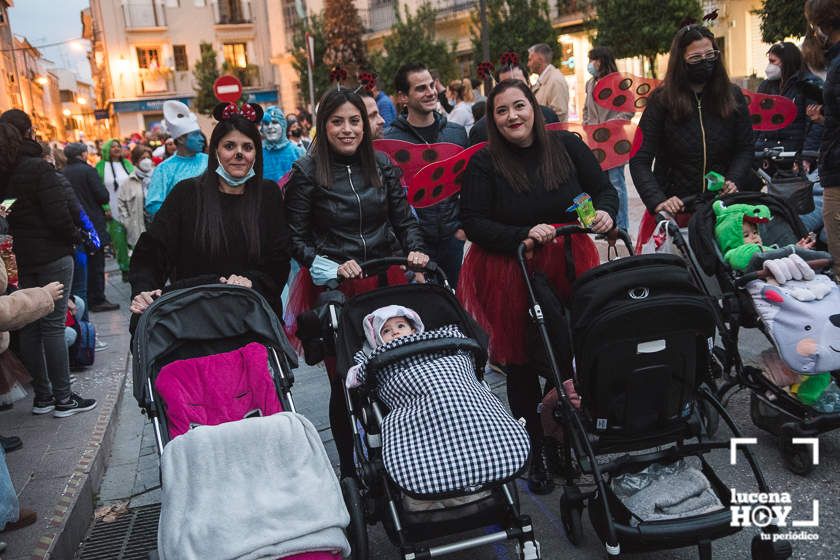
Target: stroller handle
[
  {"x": 374, "y": 266},
  {"x": 816, "y": 265},
  {"x": 613, "y": 236}
]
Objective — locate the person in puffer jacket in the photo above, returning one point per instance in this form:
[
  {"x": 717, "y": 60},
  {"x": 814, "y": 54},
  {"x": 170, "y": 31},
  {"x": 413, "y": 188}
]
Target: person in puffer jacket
[
  {"x": 345, "y": 205},
  {"x": 440, "y": 223},
  {"x": 694, "y": 123}
]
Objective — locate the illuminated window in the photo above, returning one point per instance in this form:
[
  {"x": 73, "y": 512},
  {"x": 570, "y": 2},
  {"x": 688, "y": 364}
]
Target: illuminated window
[
  {"x": 236, "y": 54},
  {"x": 567, "y": 58},
  {"x": 148, "y": 57}
]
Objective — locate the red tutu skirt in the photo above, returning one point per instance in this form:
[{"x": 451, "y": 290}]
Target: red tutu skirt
[
  {"x": 648, "y": 224},
  {"x": 304, "y": 294},
  {"x": 492, "y": 290}
]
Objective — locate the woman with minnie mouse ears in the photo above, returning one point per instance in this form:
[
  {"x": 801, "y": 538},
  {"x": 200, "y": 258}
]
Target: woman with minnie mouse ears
[{"x": 227, "y": 225}]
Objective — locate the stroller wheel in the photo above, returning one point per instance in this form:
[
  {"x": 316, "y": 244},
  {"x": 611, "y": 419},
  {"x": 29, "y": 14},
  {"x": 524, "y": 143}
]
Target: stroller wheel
[
  {"x": 570, "y": 515},
  {"x": 768, "y": 550},
  {"x": 357, "y": 531},
  {"x": 798, "y": 458}
]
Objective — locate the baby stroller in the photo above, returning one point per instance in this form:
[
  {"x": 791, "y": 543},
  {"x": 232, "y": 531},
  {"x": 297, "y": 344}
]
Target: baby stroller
[
  {"x": 771, "y": 408},
  {"x": 212, "y": 370},
  {"x": 640, "y": 332},
  {"x": 411, "y": 520}
]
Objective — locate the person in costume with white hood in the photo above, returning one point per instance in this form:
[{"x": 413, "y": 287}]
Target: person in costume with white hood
[
  {"x": 278, "y": 152},
  {"x": 189, "y": 159}
]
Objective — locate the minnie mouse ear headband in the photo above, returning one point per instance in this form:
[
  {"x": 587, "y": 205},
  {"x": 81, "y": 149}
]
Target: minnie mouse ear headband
[
  {"x": 226, "y": 111},
  {"x": 337, "y": 75},
  {"x": 485, "y": 70},
  {"x": 689, "y": 21},
  {"x": 367, "y": 80},
  {"x": 509, "y": 58}
]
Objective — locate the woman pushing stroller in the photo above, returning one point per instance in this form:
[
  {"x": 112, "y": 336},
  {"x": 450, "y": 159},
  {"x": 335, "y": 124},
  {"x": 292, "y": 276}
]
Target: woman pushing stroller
[
  {"x": 514, "y": 190},
  {"x": 345, "y": 205}
]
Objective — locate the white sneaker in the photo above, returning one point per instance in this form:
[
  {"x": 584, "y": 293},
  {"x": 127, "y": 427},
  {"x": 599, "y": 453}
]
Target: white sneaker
[{"x": 100, "y": 345}]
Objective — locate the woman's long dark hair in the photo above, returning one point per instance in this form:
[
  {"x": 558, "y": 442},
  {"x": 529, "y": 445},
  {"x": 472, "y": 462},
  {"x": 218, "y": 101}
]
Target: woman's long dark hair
[
  {"x": 606, "y": 60},
  {"x": 321, "y": 151},
  {"x": 676, "y": 92},
  {"x": 555, "y": 166},
  {"x": 210, "y": 231},
  {"x": 10, "y": 143},
  {"x": 791, "y": 59}
]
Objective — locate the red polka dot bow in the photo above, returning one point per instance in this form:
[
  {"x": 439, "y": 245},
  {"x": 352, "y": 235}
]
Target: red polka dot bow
[
  {"x": 485, "y": 70},
  {"x": 246, "y": 111},
  {"x": 509, "y": 58}
]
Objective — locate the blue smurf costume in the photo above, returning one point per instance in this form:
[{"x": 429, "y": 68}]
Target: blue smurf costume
[{"x": 278, "y": 153}]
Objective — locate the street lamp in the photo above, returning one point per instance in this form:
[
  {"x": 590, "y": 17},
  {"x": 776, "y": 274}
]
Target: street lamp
[
  {"x": 81, "y": 100},
  {"x": 66, "y": 112},
  {"x": 43, "y": 80}
]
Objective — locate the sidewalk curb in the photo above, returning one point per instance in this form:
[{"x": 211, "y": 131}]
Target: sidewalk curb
[{"x": 71, "y": 518}]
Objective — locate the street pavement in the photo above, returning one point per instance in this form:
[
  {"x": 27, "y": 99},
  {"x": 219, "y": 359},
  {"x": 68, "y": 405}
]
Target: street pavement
[{"x": 132, "y": 478}]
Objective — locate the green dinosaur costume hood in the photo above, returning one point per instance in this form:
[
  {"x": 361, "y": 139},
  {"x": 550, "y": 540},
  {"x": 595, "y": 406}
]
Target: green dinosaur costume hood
[
  {"x": 106, "y": 156},
  {"x": 730, "y": 233}
]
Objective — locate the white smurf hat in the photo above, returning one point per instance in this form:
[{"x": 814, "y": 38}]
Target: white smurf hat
[{"x": 179, "y": 119}]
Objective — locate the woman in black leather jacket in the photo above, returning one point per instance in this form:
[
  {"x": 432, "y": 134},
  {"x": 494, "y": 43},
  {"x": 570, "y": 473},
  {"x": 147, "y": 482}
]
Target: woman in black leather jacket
[
  {"x": 345, "y": 205},
  {"x": 695, "y": 122}
]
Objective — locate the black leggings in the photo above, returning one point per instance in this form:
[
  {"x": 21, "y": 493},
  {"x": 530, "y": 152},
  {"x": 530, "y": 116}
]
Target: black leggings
[{"x": 524, "y": 394}]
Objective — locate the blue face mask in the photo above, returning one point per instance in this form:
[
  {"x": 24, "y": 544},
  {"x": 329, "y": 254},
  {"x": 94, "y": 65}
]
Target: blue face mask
[
  {"x": 591, "y": 69},
  {"x": 195, "y": 142},
  {"x": 230, "y": 179}
]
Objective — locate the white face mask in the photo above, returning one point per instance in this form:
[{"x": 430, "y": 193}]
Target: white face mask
[
  {"x": 773, "y": 72},
  {"x": 145, "y": 165}
]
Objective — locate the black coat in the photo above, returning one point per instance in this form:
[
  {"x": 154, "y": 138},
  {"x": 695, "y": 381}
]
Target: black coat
[
  {"x": 682, "y": 160},
  {"x": 350, "y": 220},
  {"x": 168, "y": 250},
  {"x": 41, "y": 220},
  {"x": 91, "y": 193},
  {"x": 441, "y": 220},
  {"x": 830, "y": 146}
]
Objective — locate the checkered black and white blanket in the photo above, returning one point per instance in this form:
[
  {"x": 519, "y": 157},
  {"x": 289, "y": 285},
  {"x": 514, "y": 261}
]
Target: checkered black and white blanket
[{"x": 446, "y": 433}]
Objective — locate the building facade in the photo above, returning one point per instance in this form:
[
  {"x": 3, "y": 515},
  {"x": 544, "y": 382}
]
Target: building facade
[
  {"x": 144, "y": 51},
  {"x": 737, "y": 29}
]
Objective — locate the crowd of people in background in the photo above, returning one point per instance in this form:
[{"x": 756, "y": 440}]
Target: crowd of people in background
[{"x": 174, "y": 210}]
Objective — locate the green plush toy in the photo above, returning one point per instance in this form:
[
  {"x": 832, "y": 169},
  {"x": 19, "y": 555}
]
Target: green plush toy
[{"x": 736, "y": 230}]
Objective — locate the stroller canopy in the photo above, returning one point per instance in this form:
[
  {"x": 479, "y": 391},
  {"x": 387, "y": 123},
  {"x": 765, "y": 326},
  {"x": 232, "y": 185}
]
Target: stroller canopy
[{"x": 199, "y": 321}]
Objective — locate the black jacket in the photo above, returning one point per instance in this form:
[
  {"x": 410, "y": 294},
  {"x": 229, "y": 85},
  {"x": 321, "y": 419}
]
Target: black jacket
[
  {"x": 478, "y": 133},
  {"x": 169, "y": 252},
  {"x": 440, "y": 221},
  {"x": 793, "y": 136},
  {"x": 91, "y": 193},
  {"x": 681, "y": 157},
  {"x": 350, "y": 220},
  {"x": 497, "y": 218},
  {"x": 41, "y": 220},
  {"x": 830, "y": 146}
]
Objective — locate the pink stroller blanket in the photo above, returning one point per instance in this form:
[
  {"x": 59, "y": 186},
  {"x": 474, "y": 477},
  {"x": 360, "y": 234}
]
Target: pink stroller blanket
[{"x": 215, "y": 389}]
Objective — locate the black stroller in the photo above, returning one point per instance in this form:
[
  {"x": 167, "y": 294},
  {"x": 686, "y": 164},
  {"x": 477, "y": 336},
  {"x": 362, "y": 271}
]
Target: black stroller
[
  {"x": 771, "y": 407},
  {"x": 373, "y": 496},
  {"x": 640, "y": 334},
  {"x": 201, "y": 321}
]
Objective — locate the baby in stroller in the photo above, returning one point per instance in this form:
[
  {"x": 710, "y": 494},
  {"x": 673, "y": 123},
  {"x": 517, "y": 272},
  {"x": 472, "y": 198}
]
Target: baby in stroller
[
  {"x": 798, "y": 307},
  {"x": 445, "y": 432}
]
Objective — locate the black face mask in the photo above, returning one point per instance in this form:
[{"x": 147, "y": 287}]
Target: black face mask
[
  {"x": 700, "y": 73},
  {"x": 297, "y": 133}
]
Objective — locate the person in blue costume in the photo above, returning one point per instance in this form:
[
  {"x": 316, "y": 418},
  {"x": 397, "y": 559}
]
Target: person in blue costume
[
  {"x": 189, "y": 159},
  {"x": 278, "y": 152}
]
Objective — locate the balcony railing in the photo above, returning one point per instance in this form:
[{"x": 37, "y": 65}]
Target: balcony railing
[
  {"x": 380, "y": 17},
  {"x": 144, "y": 13},
  {"x": 232, "y": 12},
  {"x": 156, "y": 81}
]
